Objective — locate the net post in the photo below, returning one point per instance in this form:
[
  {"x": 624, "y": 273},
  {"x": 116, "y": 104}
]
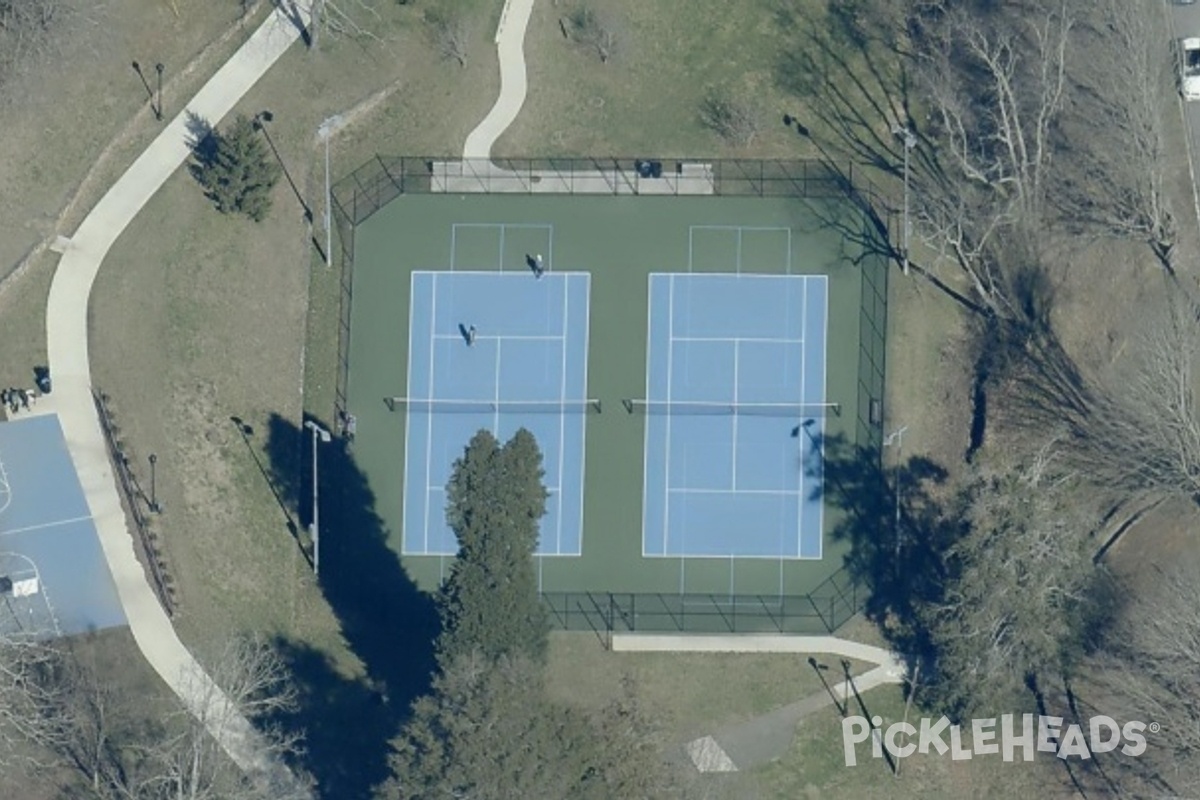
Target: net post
[
  {"x": 628, "y": 405},
  {"x": 390, "y": 402}
]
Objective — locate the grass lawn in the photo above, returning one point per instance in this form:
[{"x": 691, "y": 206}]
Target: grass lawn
[{"x": 646, "y": 99}]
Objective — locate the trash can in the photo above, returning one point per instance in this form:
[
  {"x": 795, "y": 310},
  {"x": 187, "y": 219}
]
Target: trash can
[{"x": 43, "y": 382}]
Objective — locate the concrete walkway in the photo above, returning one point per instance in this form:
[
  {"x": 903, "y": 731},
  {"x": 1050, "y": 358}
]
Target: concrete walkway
[
  {"x": 769, "y": 735},
  {"x": 510, "y": 46},
  {"x": 71, "y": 399}
]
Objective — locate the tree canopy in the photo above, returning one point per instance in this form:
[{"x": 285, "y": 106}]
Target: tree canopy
[
  {"x": 236, "y": 171},
  {"x": 495, "y": 500}
]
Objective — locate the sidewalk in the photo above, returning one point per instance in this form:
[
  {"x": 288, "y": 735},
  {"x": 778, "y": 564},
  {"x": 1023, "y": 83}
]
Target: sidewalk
[{"x": 71, "y": 399}]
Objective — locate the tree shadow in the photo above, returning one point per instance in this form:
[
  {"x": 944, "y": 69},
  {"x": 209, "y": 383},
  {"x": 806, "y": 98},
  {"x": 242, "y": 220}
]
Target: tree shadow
[
  {"x": 901, "y": 566},
  {"x": 385, "y": 619},
  {"x": 856, "y": 106}
]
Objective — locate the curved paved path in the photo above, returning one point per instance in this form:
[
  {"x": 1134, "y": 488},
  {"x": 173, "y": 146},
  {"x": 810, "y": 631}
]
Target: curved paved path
[
  {"x": 510, "y": 47},
  {"x": 71, "y": 399}
]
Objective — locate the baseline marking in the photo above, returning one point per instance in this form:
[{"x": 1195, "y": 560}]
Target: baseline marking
[
  {"x": 781, "y": 492},
  {"x": 756, "y": 339}
]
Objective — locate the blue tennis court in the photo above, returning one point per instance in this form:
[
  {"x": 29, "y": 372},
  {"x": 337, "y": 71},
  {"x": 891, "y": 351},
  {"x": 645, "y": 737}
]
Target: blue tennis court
[
  {"x": 735, "y": 404},
  {"x": 525, "y": 366}
]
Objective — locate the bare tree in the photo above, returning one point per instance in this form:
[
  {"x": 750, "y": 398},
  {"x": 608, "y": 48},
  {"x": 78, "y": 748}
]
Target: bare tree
[
  {"x": 1141, "y": 433},
  {"x": 995, "y": 82},
  {"x": 341, "y": 18},
  {"x": 1018, "y": 589},
  {"x": 122, "y": 754},
  {"x": 1115, "y": 179},
  {"x": 449, "y": 32},
  {"x": 26, "y": 29},
  {"x": 594, "y": 30},
  {"x": 1149, "y": 673},
  {"x": 731, "y": 117},
  {"x": 29, "y": 694}
]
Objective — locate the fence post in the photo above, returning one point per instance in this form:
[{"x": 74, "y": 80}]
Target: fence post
[{"x": 611, "y": 607}]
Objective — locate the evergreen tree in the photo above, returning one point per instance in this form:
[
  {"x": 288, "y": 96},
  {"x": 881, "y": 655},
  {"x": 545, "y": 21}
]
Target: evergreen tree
[
  {"x": 236, "y": 170},
  {"x": 490, "y": 732},
  {"x": 495, "y": 500}
]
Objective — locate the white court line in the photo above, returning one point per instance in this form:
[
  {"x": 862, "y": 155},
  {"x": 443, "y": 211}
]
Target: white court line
[
  {"x": 744, "y": 276},
  {"x": 789, "y": 251},
  {"x": 646, "y": 422},
  {"x": 429, "y": 424},
  {"x": 504, "y": 336},
  {"x": 587, "y": 322},
  {"x": 453, "y": 241},
  {"x": 803, "y": 437},
  {"x": 562, "y": 419},
  {"x": 737, "y": 227},
  {"x": 443, "y": 488},
  {"x": 738, "y": 251},
  {"x": 550, "y": 248},
  {"x": 690, "y": 248},
  {"x": 779, "y": 492},
  {"x": 755, "y": 339},
  {"x": 44, "y": 525},
  {"x": 670, "y": 381},
  {"x": 412, "y": 282},
  {"x": 496, "y": 414},
  {"x": 501, "y": 255},
  {"x": 735, "y": 416},
  {"x": 824, "y": 280}
]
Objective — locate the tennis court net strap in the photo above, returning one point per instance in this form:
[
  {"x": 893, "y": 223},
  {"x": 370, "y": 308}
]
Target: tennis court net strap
[
  {"x": 654, "y": 407},
  {"x": 451, "y": 406}
]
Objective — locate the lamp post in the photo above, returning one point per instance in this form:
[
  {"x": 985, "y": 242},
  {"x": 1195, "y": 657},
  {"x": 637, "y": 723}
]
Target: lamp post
[
  {"x": 158, "y": 114},
  {"x": 322, "y": 434},
  {"x": 910, "y": 141},
  {"x": 325, "y": 131},
  {"x": 896, "y": 438},
  {"x": 154, "y": 484}
]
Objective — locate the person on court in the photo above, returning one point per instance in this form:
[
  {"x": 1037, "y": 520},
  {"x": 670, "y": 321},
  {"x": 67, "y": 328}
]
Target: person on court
[
  {"x": 538, "y": 268},
  {"x": 471, "y": 336}
]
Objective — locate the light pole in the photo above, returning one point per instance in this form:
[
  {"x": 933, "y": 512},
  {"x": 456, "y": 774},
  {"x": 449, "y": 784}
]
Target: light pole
[
  {"x": 325, "y": 131},
  {"x": 153, "y": 484},
  {"x": 910, "y": 141},
  {"x": 159, "y": 69},
  {"x": 896, "y": 437},
  {"x": 322, "y": 434}
]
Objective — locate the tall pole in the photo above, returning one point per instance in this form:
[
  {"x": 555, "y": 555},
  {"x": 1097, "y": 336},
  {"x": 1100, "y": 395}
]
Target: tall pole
[
  {"x": 159, "y": 69},
  {"x": 910, "y": 141},
  {"x": 897, "y": 437},
  {"x": 325, "y": 131},
  {"x": 317, "y": 433},
  {"x": 153, "y": 483}
]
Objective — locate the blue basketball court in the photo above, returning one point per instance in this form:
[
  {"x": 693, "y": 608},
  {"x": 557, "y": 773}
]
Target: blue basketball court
[
  {"x": 54, "y": 579},
  {"x": 496, "y": 351},
  {"x": 736, "y": 405}
]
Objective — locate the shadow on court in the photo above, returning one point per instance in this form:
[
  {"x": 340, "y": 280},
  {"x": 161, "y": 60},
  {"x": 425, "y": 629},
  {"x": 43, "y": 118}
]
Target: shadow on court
[
  {"x": 902, "y": 567},
  {"x": 388, "y": 623}
]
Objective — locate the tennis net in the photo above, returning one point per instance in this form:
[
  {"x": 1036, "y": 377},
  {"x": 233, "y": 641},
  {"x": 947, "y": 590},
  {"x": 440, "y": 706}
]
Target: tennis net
[
  {"x": 424, "y": 405},
  {"x": 694, "y": 407}
]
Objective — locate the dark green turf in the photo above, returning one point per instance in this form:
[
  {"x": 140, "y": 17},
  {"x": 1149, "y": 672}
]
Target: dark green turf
[{"x": 619, "y": 240}]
